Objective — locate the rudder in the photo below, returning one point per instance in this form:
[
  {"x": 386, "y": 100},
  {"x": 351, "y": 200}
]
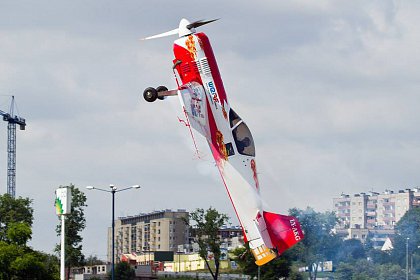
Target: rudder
[{"x": 284, "y": 231}]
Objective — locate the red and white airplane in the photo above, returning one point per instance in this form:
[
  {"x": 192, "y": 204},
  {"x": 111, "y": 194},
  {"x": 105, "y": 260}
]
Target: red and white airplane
[{"x": 205, "y": 104}]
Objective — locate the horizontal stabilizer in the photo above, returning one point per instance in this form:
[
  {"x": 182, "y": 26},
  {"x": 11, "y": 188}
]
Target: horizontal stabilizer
[{"x": 284, "y": 231}]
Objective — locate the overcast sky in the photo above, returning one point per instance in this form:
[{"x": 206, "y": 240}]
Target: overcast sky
[{"x": 329, "y": 89}]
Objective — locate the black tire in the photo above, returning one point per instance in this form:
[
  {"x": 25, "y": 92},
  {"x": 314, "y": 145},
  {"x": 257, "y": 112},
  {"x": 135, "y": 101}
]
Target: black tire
[
  {"x": 159, "y": 89},
  {"x": 150, "y": 94}
]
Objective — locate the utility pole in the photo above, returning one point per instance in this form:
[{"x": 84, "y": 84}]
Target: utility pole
[{"x": 406, "y": 260}]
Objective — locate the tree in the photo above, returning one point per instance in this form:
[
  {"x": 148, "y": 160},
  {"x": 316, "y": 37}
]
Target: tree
[
  {"x": 93, "y": 260},
  {"x": 377, "y": 256},
  {"x": 280, "y": 267},
  {"x": 18, "y": 261},
  {"x": 29, "y": 266},
  {"x": 75, "y": 223},
  {"x": 8, "y": 253},
  {"x": 320, "y": 243},
  {"x": 123, "y": 271},
  {"x": 363, "y": 269},
  {"x": 407, "y": 227},
  {"x": 391, "y": 272},
  {"x": 14, "y": 210},
  {"x": 19, "y": 233},
  {"x": 350, "y": 250},
  {"x": 207, "y": 225}
]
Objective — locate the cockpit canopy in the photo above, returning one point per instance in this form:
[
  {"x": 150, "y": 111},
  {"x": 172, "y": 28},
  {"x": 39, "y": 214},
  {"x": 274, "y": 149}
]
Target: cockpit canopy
[{"x": 242, "y": 135}]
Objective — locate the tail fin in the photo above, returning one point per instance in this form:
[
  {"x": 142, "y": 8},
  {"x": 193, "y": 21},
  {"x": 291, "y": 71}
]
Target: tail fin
[{"x": 284, "y": 231}]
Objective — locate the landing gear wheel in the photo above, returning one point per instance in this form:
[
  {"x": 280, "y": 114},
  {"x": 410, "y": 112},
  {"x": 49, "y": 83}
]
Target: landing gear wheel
[
  {"x": 159, "y": 89},
  {"x": 150, "y": 94}
]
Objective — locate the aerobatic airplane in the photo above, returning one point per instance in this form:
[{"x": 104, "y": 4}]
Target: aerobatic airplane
[{"x": 207, "y": 110}]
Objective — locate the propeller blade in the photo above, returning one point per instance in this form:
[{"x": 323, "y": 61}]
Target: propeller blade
[
  {"x": 199, "y": 23},
  {"x": 169, "y": 33}
]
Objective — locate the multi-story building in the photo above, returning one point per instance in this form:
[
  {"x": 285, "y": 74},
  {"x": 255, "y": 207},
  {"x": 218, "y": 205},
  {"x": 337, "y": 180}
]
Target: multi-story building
[
  {"x": 374, "y": 213},
  {"x": 157, "y": 231}
]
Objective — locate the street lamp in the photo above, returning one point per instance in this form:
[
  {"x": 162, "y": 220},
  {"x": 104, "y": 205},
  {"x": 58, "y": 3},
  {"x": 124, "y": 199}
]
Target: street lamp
[
  {"x": 113, "y": 190},
  {"x": 406, "y": 255}
]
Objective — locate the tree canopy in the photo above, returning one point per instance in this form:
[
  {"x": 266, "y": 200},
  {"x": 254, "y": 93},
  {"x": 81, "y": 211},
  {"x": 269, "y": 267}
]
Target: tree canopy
[
  {"x": 207, "y": 225},
  {"x": 280, "y": 267},
  {"x": 320, "y": 243},
  {"x": 17, "y": 259},
  {"x": 12, "y": 211},
  {"x": 123, "y": 271},
  {"x": 407, "y": 231}
]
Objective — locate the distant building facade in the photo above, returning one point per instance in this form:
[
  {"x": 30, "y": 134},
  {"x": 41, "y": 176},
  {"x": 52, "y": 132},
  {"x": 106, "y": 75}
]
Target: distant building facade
[
  {"x": 374, "y": 214},
  {"x": 99, "y": 271},
  {"x": 157, "y": 231}
]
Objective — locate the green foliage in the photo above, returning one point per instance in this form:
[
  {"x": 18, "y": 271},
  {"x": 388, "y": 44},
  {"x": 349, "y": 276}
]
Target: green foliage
[
  {"x": 245, "y": 260},
  {"x": 123, "y": 271},
  {"x": 280, "y": 267},
  {"x": 350, "y": 250},
  {"x": 21, "y": 262},
  {"x": 207, "y": 225},
  {"x": 8, "y": 253},
  {"x": 363, "y": 269},
  {"x": 74, "y": 224},
  {"x": 320, "y": 243},
  {"x": 13, "y": 210},
  {"x": 379, "y": 256},
  {"x": 391, "y": 272},
  {"x": 407, "y": 227},
  {"x": 28, "y": 266},
  {"x": 19, "y": 233},
  {"x": 93, "y": 260},
  {"x": 17, "y": 260}
]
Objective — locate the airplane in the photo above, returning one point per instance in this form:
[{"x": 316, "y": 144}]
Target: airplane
[{"x": 204, "y": 102}]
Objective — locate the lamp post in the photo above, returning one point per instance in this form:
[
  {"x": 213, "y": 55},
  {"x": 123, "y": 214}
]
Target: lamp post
[
  {"x": 406, "y": 264},
  {"x": 113, "y": 191}
]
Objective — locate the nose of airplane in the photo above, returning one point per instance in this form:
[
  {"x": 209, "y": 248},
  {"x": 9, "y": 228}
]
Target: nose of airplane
[{"x": 183, "y": 29}]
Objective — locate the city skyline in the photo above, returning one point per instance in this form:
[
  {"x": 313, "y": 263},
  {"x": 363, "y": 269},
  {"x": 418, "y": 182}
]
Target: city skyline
[{"x": 329, "y": 91}]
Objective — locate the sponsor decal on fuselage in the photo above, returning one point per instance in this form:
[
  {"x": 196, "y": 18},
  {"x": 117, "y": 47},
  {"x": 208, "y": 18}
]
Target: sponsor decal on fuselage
[
  {"x": 196, "y": 102},
  {"x": 213, "y": 93}
]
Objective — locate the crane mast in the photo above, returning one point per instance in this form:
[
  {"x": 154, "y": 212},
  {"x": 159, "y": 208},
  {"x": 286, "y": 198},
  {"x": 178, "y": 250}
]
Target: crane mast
[{"x": 11, "y": 145}]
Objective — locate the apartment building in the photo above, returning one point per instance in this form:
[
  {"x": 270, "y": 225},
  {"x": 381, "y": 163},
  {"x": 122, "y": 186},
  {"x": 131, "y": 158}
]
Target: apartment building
[
  {"x": 157, "y": 231},
  {"x": 373, "y": 213}
]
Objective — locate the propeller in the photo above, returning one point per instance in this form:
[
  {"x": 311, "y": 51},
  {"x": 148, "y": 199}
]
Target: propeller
[
  {"x": 185, "y": 28},
  {"x": 199, "y": 23}
]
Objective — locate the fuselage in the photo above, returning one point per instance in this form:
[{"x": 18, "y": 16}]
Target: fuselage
[{"x": 204, "y": 100}]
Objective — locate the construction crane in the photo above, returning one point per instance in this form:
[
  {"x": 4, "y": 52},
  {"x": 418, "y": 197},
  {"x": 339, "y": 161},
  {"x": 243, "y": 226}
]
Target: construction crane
[{"x": 12, "y": 120}]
